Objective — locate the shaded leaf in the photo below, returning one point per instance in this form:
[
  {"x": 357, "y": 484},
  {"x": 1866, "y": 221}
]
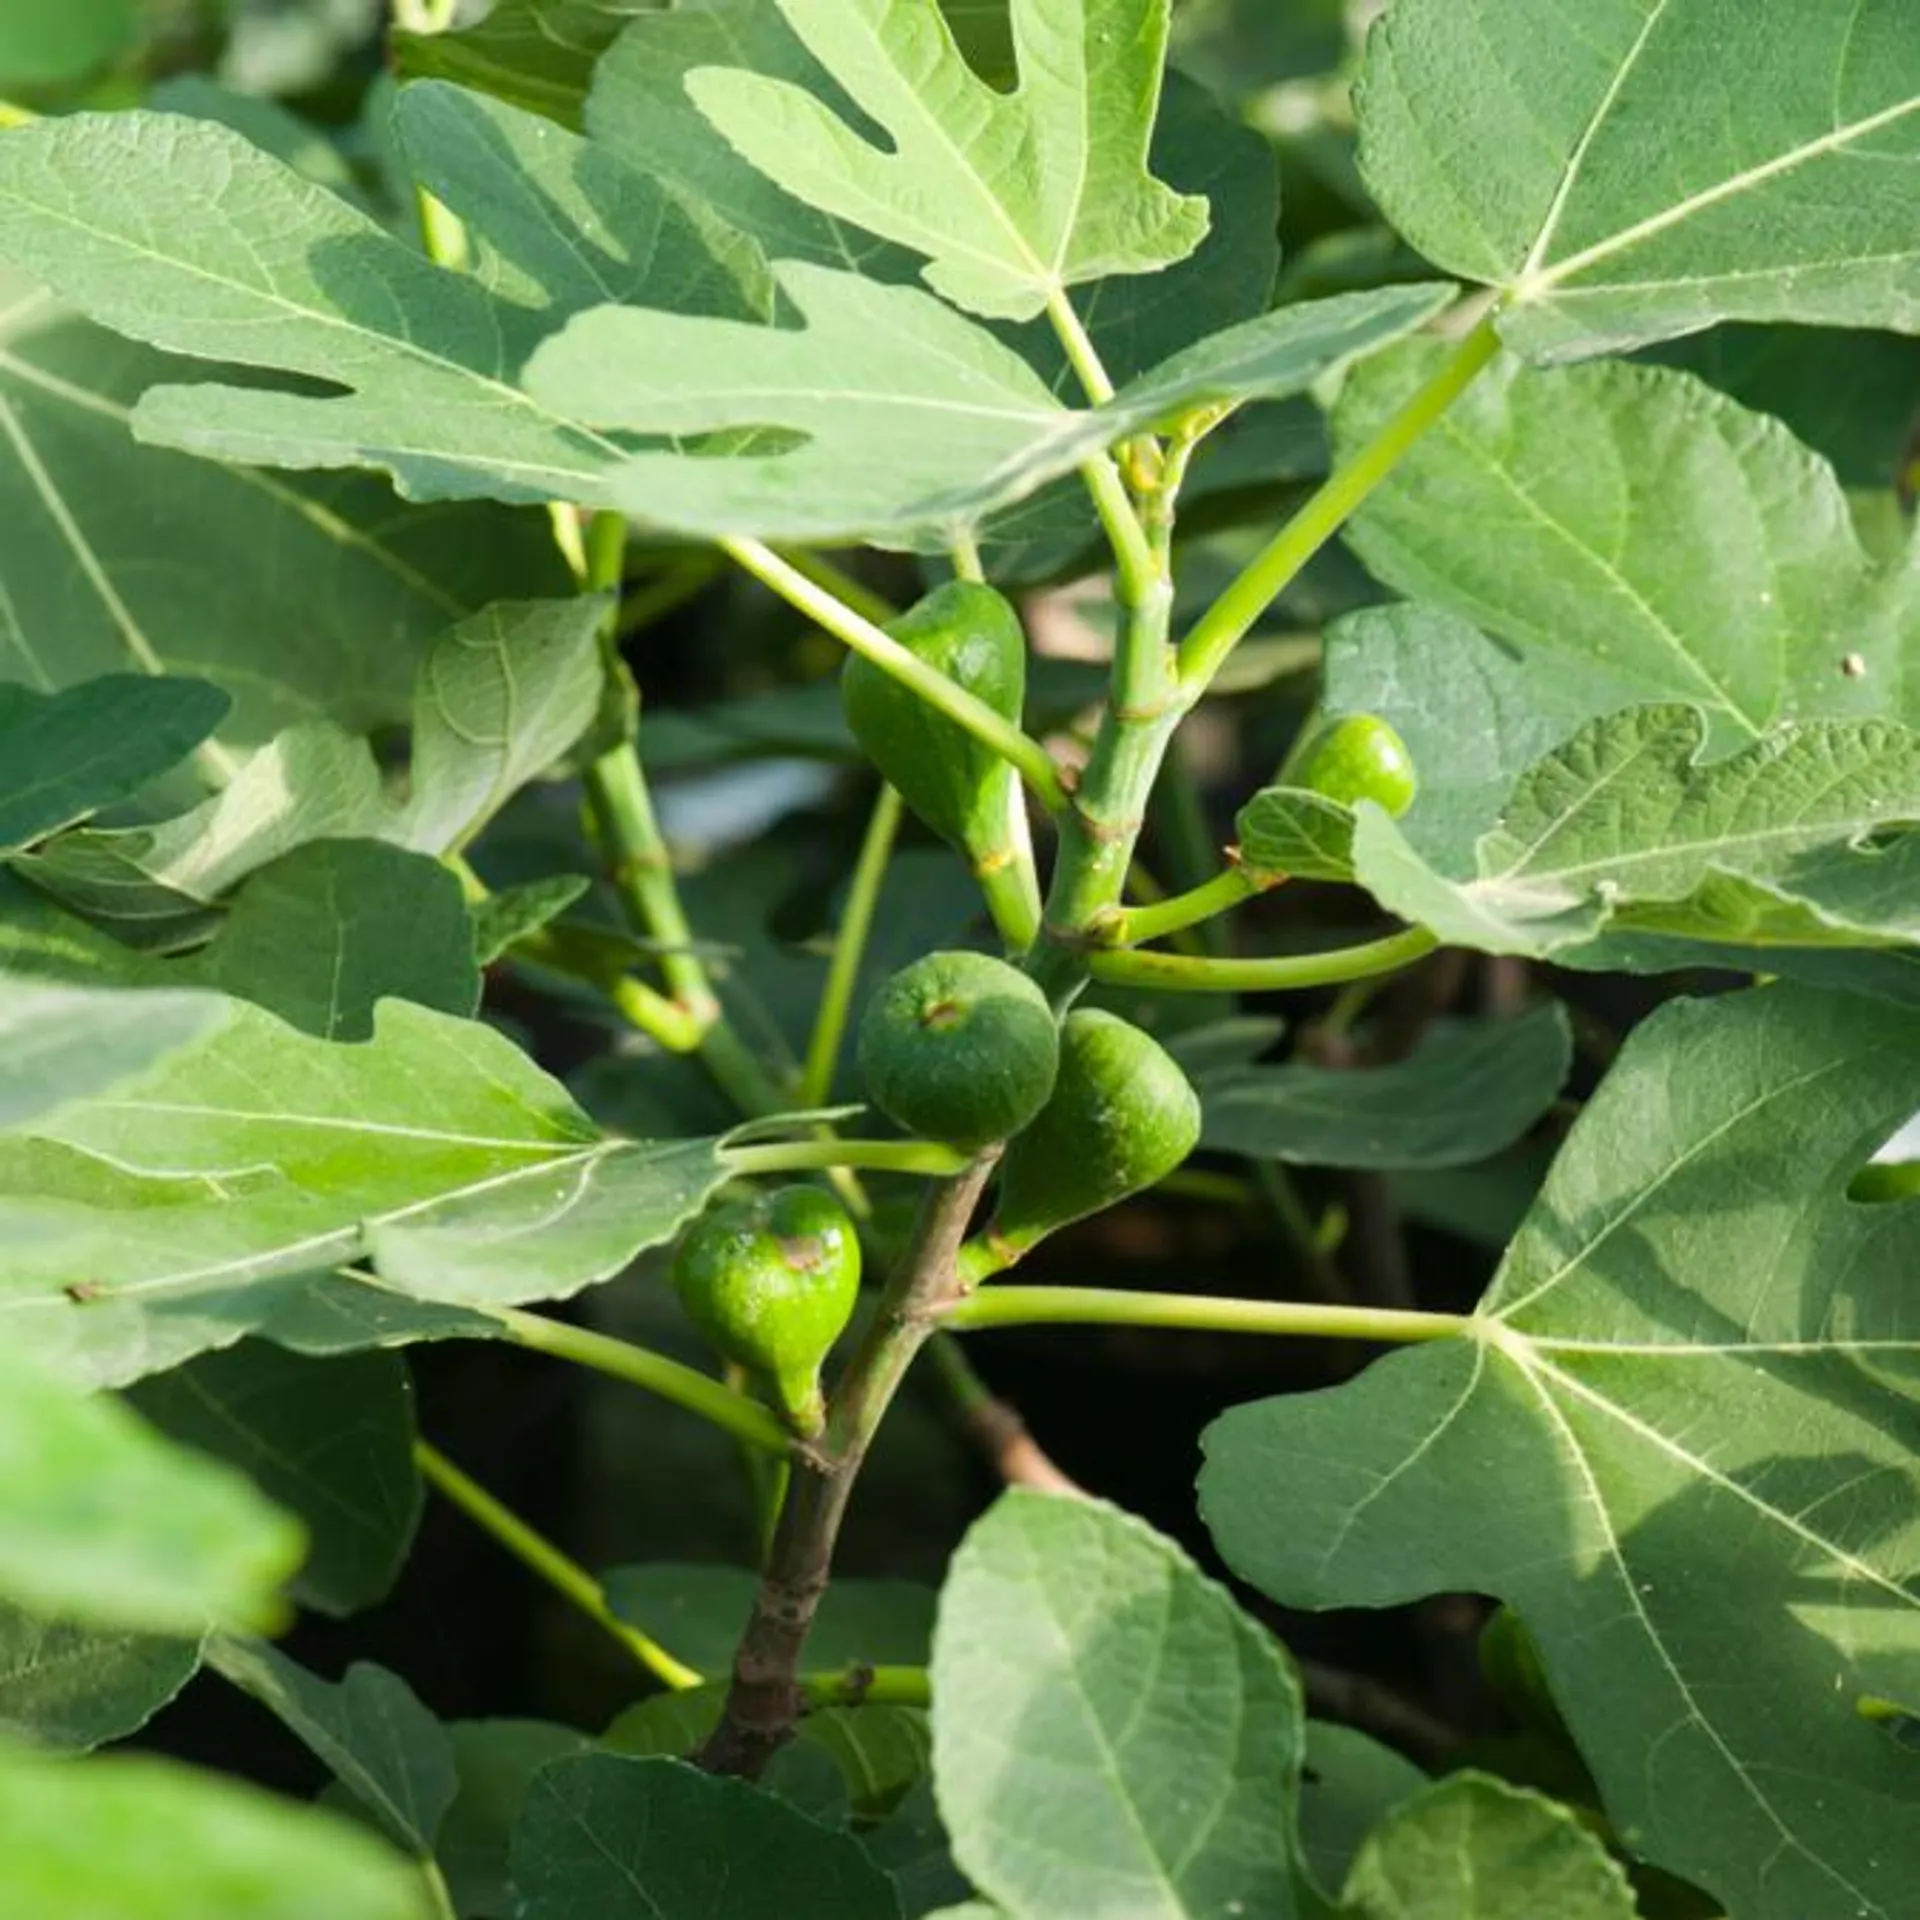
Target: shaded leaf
[
  {"x": 326, "y": 932},
  {"x": 618, "y": 1837},
  {"x": 1111, "y": 1734},
  {"x": 537, "y": 54},
  {"x": 696, "y": 1612},
  {"x": 377, "y": 1739},
  {"x": 1849, "y": 395},
  {"x": 1349, "y": 1785},
  {"x": 298, "y": 597},
  {"x": 67, "y": 755},
  {"x": 1467, "y": 1090},
  {"x": 500, "y": 698},
  {"x": 330, "y": 1441},
  {"x": 164, "y": 1842},
  {"x": 1679, "y": 1439},
  {"x": 496, "y": 1761},
  {"x": 509, "y": 916},
  {"x": 1672, "y": 163},
  {"x": 1474, "y": 712},
  {"x": 69, "y": 1687},
  {"x": 868, "y": 1757},
  {"x": 1472, "y": 1844}
]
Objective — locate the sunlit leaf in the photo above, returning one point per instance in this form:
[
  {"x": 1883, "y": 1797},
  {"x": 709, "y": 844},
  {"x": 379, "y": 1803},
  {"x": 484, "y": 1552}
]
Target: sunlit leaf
[
  {"x": 148, "y": 1838},
  {"x": 1668, "y": 164},
  {"x": 435, "y": 1150},
  {"x": 1627, "y": 822},
  {"x": 1012, "y": 197}
]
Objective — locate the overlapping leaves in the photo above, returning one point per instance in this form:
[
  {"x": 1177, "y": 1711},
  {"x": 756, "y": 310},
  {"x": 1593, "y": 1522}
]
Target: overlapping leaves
[
  {"x": 914, "y": 420},
  {"x": 435, "y": 1151},
  {"x": 1679, "y": 1438}
]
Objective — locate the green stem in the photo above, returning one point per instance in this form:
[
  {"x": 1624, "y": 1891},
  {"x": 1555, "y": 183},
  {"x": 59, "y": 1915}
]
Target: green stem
[
  {"x": 1233, "y": 615},
  {"x": 540, "y": 1556},
  {"x": 1179, "y": 973},
  {"x": 924, "y": 1157},
  {"x": 1135, "y": 562},
  {"x": 856, "y": 631},
  {"x": 685, "y": 1386},
  {"x": 840, "y": 583},
  {"x": 642, "y": 875},
  {"x": 864, "y": 1686},
  {"x": 849, "y": 949},
  {"x": 1134, "y": 926},
  {"x": 1117, "y": 1307},
  {"x": 1082, "y": 355}
]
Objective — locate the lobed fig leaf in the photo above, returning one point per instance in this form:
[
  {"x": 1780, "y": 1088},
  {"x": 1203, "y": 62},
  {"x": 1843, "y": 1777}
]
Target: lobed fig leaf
[
  {"x": 771, "y": 1282},
  {"x": 960, "y": 1047}
]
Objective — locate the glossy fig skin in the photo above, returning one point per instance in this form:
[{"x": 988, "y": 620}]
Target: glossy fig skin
[
  {"x": 959, "y": 1047},
  {"x": 771, "y": 1281},
  {"x": 964, "y": 791},
  {"x": 1122, "y": 1117},
  {"x": 1357, "y": 758}
]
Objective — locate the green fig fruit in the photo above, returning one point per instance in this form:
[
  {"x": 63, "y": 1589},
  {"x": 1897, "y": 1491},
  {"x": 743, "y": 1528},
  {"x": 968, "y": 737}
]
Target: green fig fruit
[
  {"x": 1122, "y": 1117},
  {"x": 1358, "y": 758},
  {"x": 964, "y": 791},
  {"x": 771, "y": 1281},
  {"x": 959, "y": 1047}
]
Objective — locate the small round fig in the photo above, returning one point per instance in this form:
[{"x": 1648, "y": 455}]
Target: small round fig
[
  {"x": 1360, "y": 758},
  {"x": 1122, "y": 1117},
  {"x": 959, "y": 1047},
  {"x": 771, "y": 1281}
]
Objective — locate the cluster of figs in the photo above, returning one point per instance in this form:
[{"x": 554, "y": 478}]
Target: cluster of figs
[{"x": 961, "y": 1047}]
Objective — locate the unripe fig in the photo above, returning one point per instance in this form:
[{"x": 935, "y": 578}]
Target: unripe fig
[
  {"x": 1122, "y": 1117},
  {"x": 964, "y": 791},
  {"x": 959, "y": 1047},
  {"x": 1358, "y": 758},
  {"x": 771, "y": 1281}
]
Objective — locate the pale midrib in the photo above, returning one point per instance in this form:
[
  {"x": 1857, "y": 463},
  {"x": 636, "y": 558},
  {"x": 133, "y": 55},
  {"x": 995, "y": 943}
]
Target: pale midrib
[
  {"x": 292, "y": 1256},
  {"x": 1534, "y": 282},
  {"x": 1626, "y": 863},
  {"x": 1854, "y": 1567},
  {"x": 1596, "y": 1498},
  {"x": 1503, "y": 1314},
  {"x": 1577, "y": 159}
]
